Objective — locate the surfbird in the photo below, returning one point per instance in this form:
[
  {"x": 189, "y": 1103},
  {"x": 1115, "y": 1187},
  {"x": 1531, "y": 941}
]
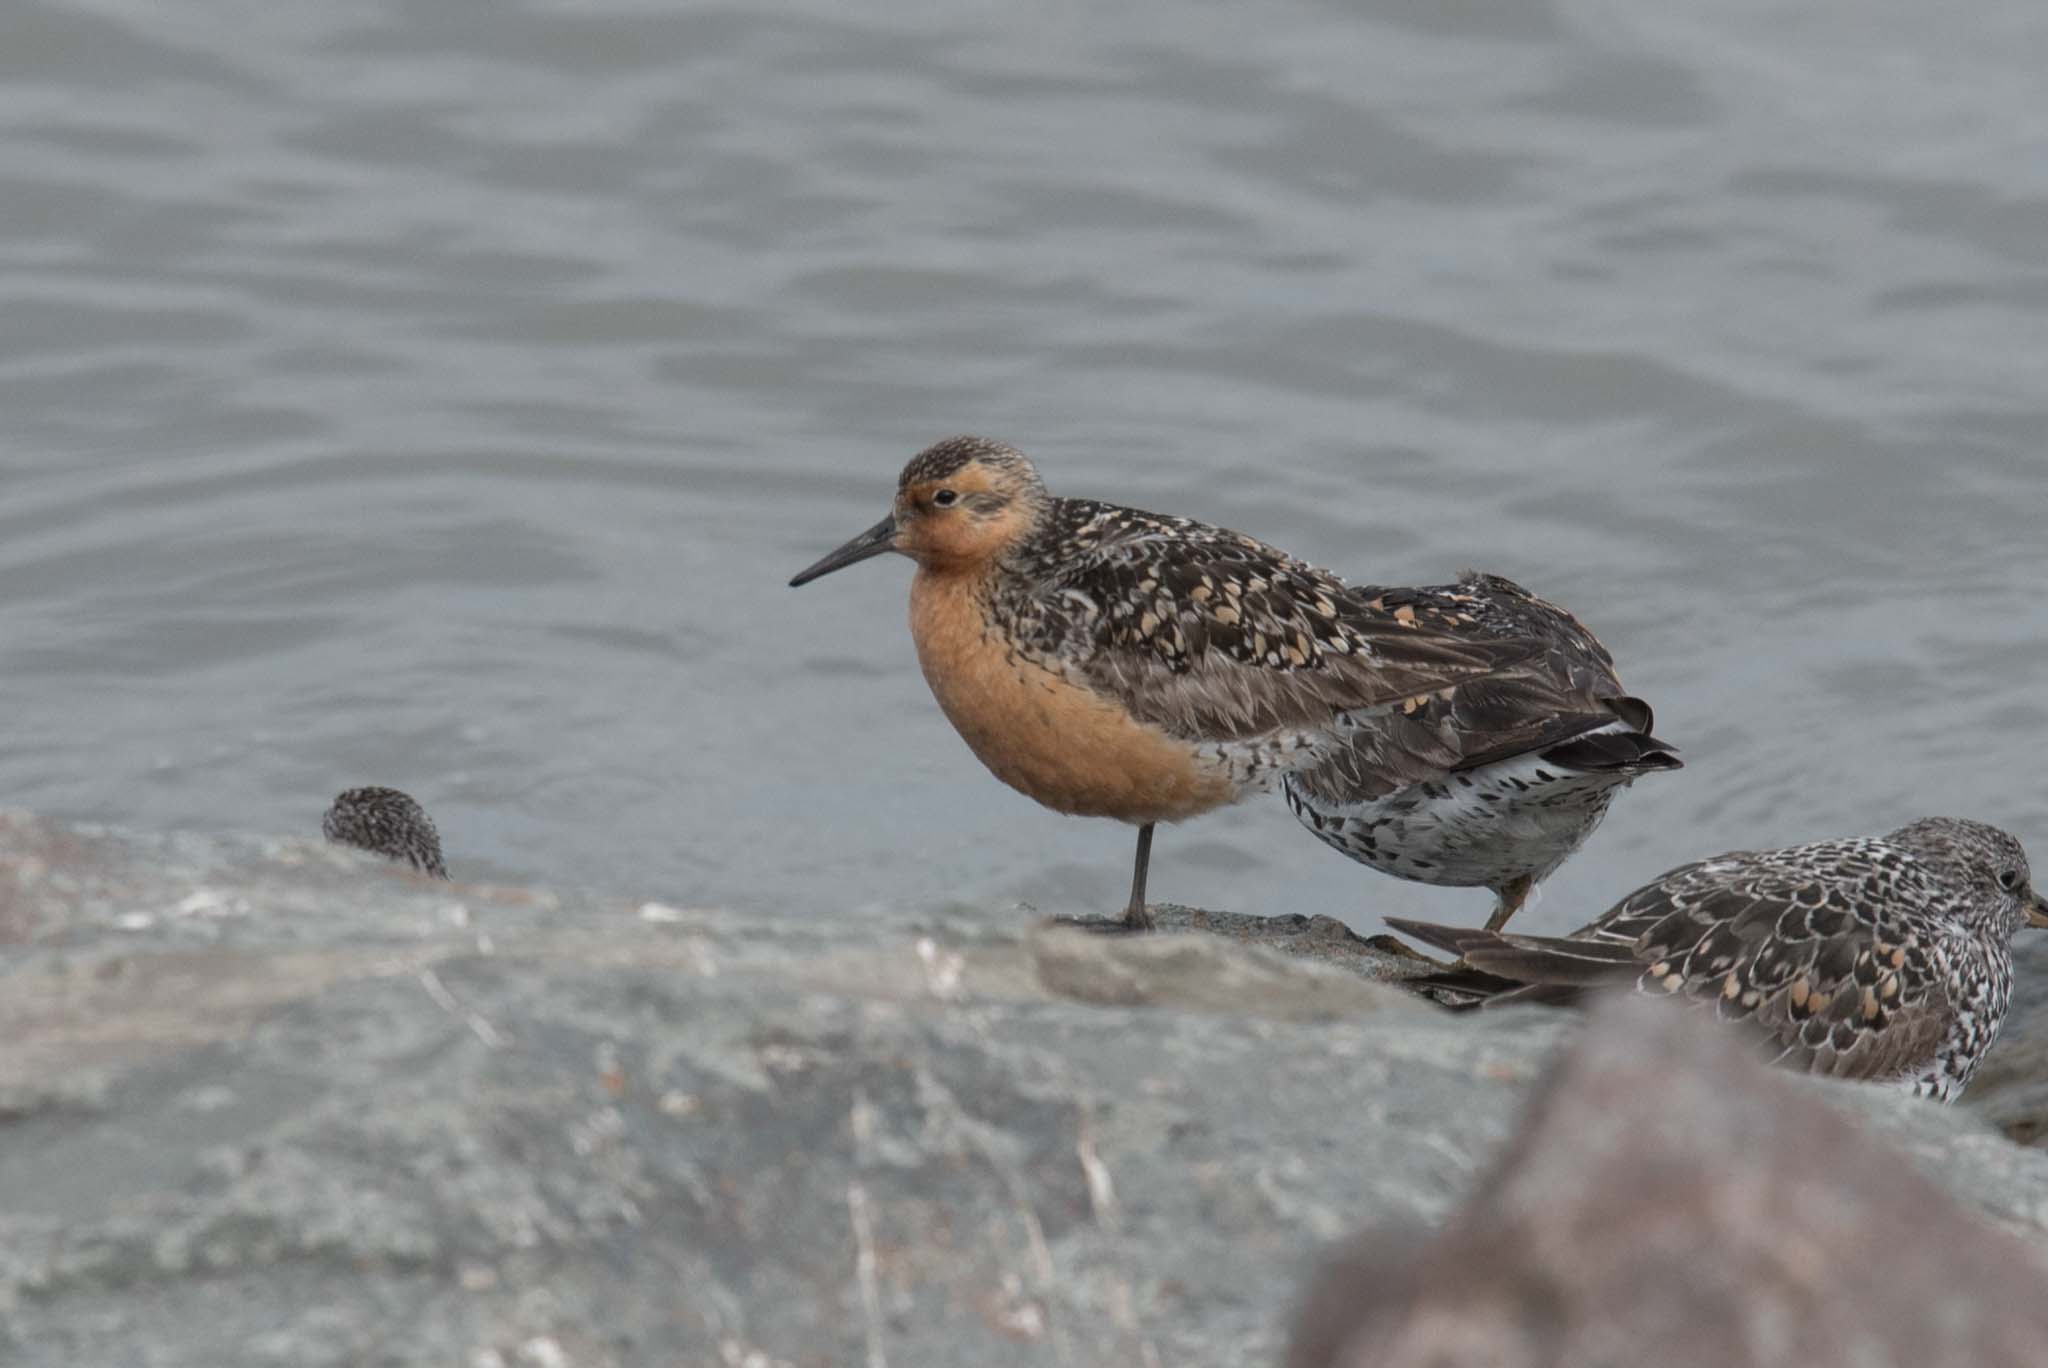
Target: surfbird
[{"x": 1886, "y": 958}]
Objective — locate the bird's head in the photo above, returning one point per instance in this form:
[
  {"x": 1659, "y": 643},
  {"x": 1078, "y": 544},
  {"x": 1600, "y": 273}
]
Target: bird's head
[{"x": 959, "y": 504}]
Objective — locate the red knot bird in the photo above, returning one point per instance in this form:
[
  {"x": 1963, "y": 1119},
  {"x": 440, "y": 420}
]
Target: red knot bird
[
  {"x": 385, "y": 822},
  {"x": 1498, "y": 783},
  {"x": 1880, "y": 957},
  {"x": 1109, "y": 662}
]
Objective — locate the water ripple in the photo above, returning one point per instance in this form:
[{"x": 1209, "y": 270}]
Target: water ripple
[{"x": 441, "y": 394}]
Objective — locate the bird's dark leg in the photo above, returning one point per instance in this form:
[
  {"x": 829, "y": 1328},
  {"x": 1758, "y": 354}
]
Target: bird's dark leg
[
  {"x": 1512, "y": 895},
  {"x": 1136, "y": 918}
]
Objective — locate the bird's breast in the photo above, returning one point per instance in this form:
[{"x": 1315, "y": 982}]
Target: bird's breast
[{"x": 1040, "y": 728}]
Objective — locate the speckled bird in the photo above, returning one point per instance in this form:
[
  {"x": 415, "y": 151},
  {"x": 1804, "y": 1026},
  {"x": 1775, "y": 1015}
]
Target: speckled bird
[
  {"x": 387, "y": 822},
  {"x": 1114, "y": 663},
  {"x": 1502, "y": 781},
  {"x": 1886, "y": 958}
]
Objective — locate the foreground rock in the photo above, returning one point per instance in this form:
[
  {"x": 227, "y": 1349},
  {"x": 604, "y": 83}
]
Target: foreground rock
[
  {"x": 1669, "y": 1200},
  {"x": 265, "y": 1102}
]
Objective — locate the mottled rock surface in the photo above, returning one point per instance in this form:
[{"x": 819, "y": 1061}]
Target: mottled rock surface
[
  {"x": 1668, "y": 1200},
  {"x": 269, "y": 1102}
]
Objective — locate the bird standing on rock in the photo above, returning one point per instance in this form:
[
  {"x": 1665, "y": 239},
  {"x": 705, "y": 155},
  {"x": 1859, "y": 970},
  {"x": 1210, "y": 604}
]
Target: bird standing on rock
[
  {"x": 1109, "y": 662},
  {"x": 1502, "y": 781},
  {"x": 1880, "y": 957}
]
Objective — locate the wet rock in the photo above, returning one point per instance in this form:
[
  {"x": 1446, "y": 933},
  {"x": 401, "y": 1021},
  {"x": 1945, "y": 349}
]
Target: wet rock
[
  {"x": 276, "y": 1102},
  {"x": 1202, "y": 973},
  {"x": 1324, "y": 940},
  {"x": 1669, "y": 1201},
  {"x": 272, "y": 1102}
]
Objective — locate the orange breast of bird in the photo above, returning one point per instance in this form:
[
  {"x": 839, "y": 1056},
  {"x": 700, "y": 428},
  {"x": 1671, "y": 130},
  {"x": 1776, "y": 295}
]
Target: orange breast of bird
[{"x": 1040, "y": 729}]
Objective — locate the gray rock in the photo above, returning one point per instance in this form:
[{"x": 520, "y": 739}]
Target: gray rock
[
  {"x": 1669, "y": 1200},
  {"x": 1290, "y": 977},
  {"x": 272, "y": 1102}
]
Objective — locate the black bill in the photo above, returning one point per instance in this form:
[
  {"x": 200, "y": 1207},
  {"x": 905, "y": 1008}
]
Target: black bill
[{"x": 873, "y": 542}]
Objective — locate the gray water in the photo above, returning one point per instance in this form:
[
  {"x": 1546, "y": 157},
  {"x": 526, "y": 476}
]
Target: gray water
[{"x": 440, "y": 394}]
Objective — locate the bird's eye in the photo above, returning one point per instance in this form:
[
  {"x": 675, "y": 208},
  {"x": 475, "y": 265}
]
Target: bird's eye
[
  {"x": 2009, "y": 880},
  {"x": 945, "y": 498}
]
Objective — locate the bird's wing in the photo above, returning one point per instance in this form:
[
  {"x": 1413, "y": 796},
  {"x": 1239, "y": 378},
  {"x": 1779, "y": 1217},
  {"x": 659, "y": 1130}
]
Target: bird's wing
[
  {"x": 1564, "y": 691},
  {"x": 1214, "y": 635}
]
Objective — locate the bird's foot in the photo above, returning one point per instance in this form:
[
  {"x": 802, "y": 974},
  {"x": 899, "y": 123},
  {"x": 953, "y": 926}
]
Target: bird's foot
[{"x": 1134, "y": 922}]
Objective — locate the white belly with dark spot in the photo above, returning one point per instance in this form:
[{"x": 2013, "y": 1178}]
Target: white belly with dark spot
[{"x": 1519, "y": 818}]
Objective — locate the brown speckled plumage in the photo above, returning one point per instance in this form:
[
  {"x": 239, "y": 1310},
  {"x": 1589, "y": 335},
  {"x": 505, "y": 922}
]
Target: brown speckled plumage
[
  {"x": 1113, "y": 662},
  {"x": 1217, "y": 636},
  {"x": 1498, "y": 783},
  {"x": 387, "y": 822},
  {"x": 955, "y": 454},
  {"x": 1885, "y": 958}
]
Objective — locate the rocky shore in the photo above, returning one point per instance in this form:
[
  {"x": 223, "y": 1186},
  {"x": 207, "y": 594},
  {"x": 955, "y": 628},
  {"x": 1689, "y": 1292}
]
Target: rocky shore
[{"x": 268, "y": 1102}]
